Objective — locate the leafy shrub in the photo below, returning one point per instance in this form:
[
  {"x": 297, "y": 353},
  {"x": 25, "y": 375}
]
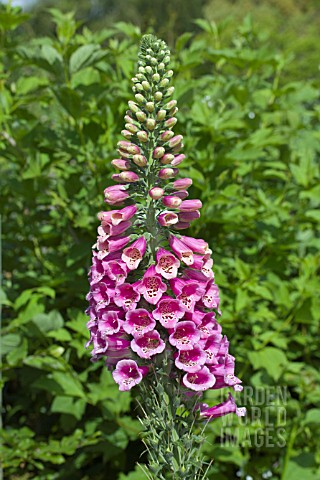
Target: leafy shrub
[{"x": 253, "y": 144}]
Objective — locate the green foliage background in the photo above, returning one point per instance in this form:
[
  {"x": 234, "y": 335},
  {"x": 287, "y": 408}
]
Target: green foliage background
[{"x": 253, "y": 142}]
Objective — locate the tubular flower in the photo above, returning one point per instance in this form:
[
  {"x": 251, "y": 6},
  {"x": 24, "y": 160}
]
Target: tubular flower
[{"x": 153, "y": 300}]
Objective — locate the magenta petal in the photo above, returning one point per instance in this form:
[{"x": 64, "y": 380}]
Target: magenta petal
[
  {"x": 109, "y": 324},
  {"x": 182, "y": 251},
  {"x": 229, "y": 406},
  {"x": 168, "y": 312},
  {"x": 200, "y": 380},
  {"x": 167, "y": 264},
  {"x": 148, "y": 344},
  {"x": 190, "y": 360},
  {"x": 126, "y": 296},
  {"x": 138, "y": 322},
  {"x": 127, "y": 374},
  {"x": 185, "y": 335},
  {"x": 132, "y": 255},
  {"x": 151, "y": 286}
]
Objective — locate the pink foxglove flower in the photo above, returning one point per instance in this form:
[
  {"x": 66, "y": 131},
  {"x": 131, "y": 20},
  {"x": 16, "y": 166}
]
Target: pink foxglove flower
[
  {"x": 151, "y": 286},
  {"x": 153, "y": 302},
  {"x": 167, "y": 264},
  {"x": 133, "y": 255},
  {"x": 229, "y": 406},
  {"x": 138, "y": 322},
  {"x": 127, "y": 374}
]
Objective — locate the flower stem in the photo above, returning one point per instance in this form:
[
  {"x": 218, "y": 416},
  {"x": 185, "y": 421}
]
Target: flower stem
[{"x": 169, "y": 420}]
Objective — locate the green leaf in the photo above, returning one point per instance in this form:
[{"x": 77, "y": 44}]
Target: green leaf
[
  {"x": 85, "y": 56},
  {"x": 49, "y": 322},
  {"x": 69, "y": 384},
  {"x": 68, "y": 405},
  {"x": 9, "y": 342},
  {"x": 270, "y": 358}
]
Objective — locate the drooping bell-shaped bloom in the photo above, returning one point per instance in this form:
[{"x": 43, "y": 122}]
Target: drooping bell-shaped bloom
[
  {"x": 229, "y": 406},
  {"x": 133, "y": 255},
  {"x": 200, "y": 380},
  {"x": 191, "y": 360},
  {"x": 168, "y": 312},
  {"x": 167, "y": 264},
  {"x": 148, "y": 344},
  {"x": 115, "y": 270},
  {"x": 188, "y": 292},
  {"x": 109, "y": 323},
  {"x": 126, "y": 296},
  {"x": 181, "y": 250},
  {"x": 127, "y": 374},
  {"x": 185, "y": 336},
  {"x": 138, "y": 322},
  {"x": 151, "y": 286}
]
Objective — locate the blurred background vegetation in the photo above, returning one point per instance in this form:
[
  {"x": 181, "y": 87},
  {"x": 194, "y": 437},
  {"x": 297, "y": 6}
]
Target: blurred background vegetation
[{"x": 248, "y": 93}]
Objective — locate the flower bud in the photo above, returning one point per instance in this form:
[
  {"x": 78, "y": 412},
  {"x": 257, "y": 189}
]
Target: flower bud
[
  {"x": 150, "y": 106},
  {"x": 166, "y": 59},
  {"x": 148, "y": 69},
  {"x": 158, "y": 96},
  {"x": 133, "y": 149},
  {"x": 143, "y": 136},
  {"x": 151, "y": 124},
  {"x": 121, "y": 164},
  {"x": 165, "y": 173},
  {"x": 156, "y": 193},
  {"x": 123, "y": 144},
  {"x": 181, "y": 225},
  {"x": 132, "y": 128},
  {"x": 170, "y": 104},
  {"x": 161, "y": 115},
  {"x": 173, "y": 111},
  {"x": 116, "y": 177},
  {"x": 189, "y": 216},
  {"x": 139, "y": 87},
  {"x": 156, "y": 77},
  {"x": 133, "y": 106},
  {"x": 166, "y": 219},
  {"x": 169, "y": 73},
  {"x": 170, "y": 122},
  {"x": 175, "y": 141},
  {"x": 123, "y": 153},
  {"x": 169, "y": 92},
  {"x": 167, "y": 158},
  {"x": 164, "y": 82},
  {"x": 140, "y": 98},
  {"x": 158, "y": 152},
  {"x": 128, "y": 177},
  {"x": 190, "y": 205},
  {"x": 126, "y": 134},
  {"x": 178, "y": 159},
  {"x": 171, "y": 201},
  {"x": 141, "y": 70},
  {"x": 161, "y": 66},
  {"x": 145, "y": 85},
  {"x": 181, "y": 194},
  {"x": 177, "y": 148},
  {"x": 141, "y": 116},
  {"x": 166, "y": 135},
  {"x": 182, "y": 183},
  {"x": 140, "y": 77},
  {"x": 134, "y": 80},
  {"x": 139, "y": 160},
  {"x": 128, "y": 118},
  {"x": 115, "y": 194}
]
